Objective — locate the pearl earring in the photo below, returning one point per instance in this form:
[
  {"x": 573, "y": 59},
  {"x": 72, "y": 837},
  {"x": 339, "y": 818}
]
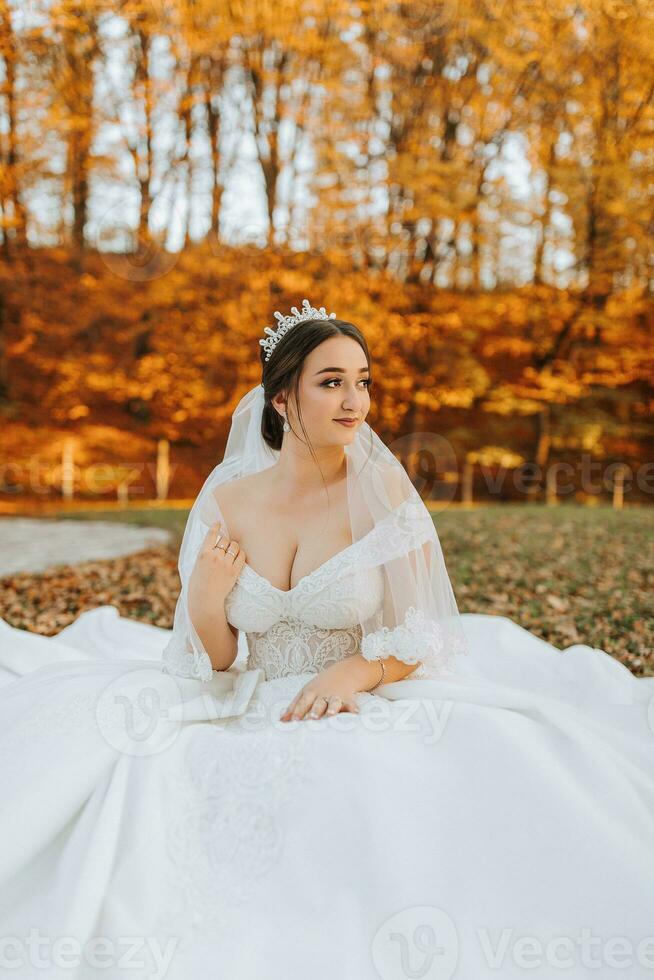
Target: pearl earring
[{"x": 286, "y": 427}]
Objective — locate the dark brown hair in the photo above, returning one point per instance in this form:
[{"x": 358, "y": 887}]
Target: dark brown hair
[{"x": 282, "y": 371}]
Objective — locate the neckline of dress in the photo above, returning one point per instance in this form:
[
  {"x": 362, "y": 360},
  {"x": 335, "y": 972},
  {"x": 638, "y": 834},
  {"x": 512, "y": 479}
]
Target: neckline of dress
[
  {"x": 328, "y": 561},
  {"x": 306, "y": 577}
]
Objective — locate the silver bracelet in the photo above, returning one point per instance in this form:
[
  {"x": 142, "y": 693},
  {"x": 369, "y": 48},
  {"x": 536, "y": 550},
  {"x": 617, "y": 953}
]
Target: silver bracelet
[{"x": 383, "y": 667}]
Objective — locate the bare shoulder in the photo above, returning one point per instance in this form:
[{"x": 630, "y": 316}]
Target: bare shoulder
[
  {"x": 397, "y": 484},
  {"x": 238, "y": 498}
]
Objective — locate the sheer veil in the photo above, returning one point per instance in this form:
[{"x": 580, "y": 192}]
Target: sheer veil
[{"x": 418, "y": 621}]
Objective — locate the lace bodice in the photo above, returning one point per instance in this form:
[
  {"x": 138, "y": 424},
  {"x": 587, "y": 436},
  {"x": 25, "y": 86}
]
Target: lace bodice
[
  {"x": 320, "y": 620},
  {"x": 312, "y": 625}
]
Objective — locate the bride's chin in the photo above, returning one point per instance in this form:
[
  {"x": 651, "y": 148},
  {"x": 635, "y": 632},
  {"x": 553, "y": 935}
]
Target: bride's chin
[{"x": 346, "y": 438}]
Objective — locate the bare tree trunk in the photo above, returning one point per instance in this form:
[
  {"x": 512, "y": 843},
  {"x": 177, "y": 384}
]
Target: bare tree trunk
[
  {"x": 142, "y": 155},
  {"x": 4, "y": 367},
  {"x": 545, "y": 220},
  {"x": 543, "y": 437},
  {"x": 213, "y": 71},
  {"x": 13, "y": 211},
  {"x": 80, "y": 48},
  {"x": 266, "y": 125}
]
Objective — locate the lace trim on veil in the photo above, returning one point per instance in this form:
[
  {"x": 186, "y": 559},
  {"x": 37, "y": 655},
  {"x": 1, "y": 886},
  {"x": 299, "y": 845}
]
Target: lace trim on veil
[{"x": 406, "y": 528}]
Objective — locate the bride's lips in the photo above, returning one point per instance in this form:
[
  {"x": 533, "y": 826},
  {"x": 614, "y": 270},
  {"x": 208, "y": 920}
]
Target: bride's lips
[{"x": 350, "y": 423}]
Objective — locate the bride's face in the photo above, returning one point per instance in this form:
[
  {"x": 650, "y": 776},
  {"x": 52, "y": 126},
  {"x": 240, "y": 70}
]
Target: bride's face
[{"x": 333, "y": 385}]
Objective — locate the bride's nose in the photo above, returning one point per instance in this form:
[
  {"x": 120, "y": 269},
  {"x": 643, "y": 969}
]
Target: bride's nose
[{"x": 351, "y": 400}]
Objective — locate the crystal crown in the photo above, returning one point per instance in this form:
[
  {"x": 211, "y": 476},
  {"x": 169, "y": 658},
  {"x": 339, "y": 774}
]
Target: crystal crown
[{"x": 287, "y": 322}]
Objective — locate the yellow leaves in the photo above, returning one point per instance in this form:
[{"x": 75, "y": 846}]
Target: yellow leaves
[
  {"x": 99, "y": 382},
  {"x": 591, "y": 436},
  {"x": 151, "y": 364},
  {"x": 514, "y": 346},
  {"x": 78, "y": 412},
  {"x": 510, "y": 400},
  {"x": 502, "y": 456},
  {"x": 21, "y": 346}
]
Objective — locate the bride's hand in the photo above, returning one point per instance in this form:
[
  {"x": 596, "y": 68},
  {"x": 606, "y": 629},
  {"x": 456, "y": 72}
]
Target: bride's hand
[
  {"x": 326, "y": 695},
  {"x": 216, "y": 568}
]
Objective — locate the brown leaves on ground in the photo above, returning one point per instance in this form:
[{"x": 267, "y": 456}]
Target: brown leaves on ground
[
  {"x": 569, "y": 575},
  {"x": 143, "y": 586}
]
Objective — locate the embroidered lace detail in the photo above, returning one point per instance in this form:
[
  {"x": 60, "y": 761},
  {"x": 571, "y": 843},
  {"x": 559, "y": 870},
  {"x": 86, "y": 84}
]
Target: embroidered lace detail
[
  {"x": 310, "y": 627},
  {"x": 227, "y": 831},
  {"x": 74, "y": 716},
  {"x": 406, "y": 642},
  {"x": 129, "y": 712},
  {"x": 419, "y": 639},
  {"x": 294, "y": 647},
  {"x": 318, "y": 621},
  {"x": 182, "y": 658}
]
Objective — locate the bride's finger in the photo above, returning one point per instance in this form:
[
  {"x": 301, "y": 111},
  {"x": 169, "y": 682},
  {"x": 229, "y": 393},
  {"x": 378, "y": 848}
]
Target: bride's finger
[
  {"x": 305, "y": 701},
  {"x": 319, "y": 707},
  {"x": 215, "y": 533},
  {"x": 335, "y": 705},
  {"x": 292, "y": 705}
]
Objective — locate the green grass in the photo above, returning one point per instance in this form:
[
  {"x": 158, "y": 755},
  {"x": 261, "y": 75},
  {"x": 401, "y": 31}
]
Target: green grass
[
  {"x": 569, "y": 574},
  {"x": 170, "y": 519}
]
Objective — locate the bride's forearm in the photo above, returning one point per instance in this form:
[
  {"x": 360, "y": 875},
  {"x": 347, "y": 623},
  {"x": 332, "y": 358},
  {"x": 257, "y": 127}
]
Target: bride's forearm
[
  {"x": 366, "y": 673},
  {"x": 216, "y": 635}
]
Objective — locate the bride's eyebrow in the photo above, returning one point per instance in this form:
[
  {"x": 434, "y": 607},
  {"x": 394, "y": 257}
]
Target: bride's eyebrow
[{"x": 363, "y": 370}]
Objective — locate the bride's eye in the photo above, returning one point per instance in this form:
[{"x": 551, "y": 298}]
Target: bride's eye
[{"x": 367, "y": 382}]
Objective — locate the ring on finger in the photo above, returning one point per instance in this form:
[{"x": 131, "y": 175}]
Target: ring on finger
[{"x": 323, "y": 697}]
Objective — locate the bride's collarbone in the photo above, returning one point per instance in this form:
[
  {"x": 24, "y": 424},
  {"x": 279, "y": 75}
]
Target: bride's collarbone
[
  {"x": 279, "y": 545},
  {"x": 284, "y": 555}
]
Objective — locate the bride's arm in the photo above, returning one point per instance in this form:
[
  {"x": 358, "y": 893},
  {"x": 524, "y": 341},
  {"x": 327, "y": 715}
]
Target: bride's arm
[
  {"x": 211, "y": 581},
  {"x": 218, "y": 637},
  {"x": 366, "y": 673},
  {"x": 344, "y": 680}
]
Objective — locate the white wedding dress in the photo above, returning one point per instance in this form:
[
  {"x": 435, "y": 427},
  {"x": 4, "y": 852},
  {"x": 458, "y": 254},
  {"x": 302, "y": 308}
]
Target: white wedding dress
[{"x": 495, "y": 824}]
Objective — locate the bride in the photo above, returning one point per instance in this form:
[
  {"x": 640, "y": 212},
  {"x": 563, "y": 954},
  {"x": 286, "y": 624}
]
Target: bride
[{"x": 323, "y": 769}]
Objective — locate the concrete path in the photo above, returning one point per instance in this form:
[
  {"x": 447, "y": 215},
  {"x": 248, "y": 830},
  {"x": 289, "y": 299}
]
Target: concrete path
[{"x": 28, "y": 545}]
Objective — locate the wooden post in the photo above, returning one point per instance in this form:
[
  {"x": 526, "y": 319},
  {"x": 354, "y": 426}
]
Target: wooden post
[
  {"x": 618, "y": 488},
  {"x": 466, "y": 493},
  {"x": 551, "y": 498},
  {"x": 163, "y": 469},
  {"x": 68, "y": 469}
]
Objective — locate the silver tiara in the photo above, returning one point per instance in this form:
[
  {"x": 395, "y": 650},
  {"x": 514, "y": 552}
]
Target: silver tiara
[{"x": 286, "y": 322}]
